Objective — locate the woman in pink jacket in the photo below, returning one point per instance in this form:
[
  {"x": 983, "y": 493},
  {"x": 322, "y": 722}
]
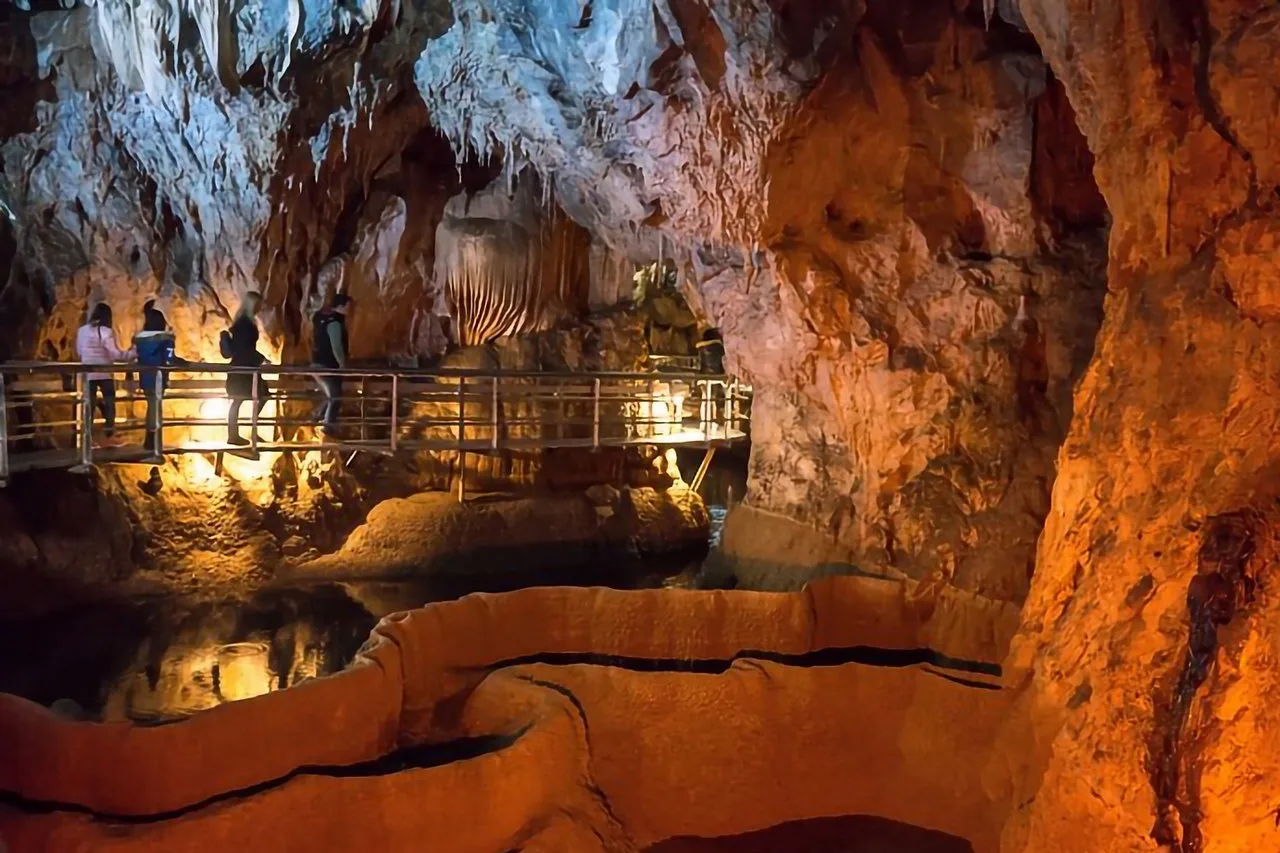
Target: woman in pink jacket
[{"x": 96, "y": 344}]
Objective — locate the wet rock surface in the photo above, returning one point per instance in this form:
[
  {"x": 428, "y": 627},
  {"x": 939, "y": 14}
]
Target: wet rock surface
[
  {"x": 432, "y": 533},
  {"x": 1150, "y": 702}
]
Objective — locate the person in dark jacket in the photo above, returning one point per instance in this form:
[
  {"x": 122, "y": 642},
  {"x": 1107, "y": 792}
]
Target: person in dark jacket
[
  {"x": 155, "y": 347},
  {"x": 711, "y": 361},
  {"x": 242, "y": 350},
  {"x": 329, "y": 349},
  {"x": 711, "y": 352}
]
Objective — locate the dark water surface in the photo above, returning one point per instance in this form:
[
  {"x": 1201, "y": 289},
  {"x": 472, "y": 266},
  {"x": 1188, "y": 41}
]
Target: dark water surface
[
  {"x": 161, "y": 657},
  {"x": 157, "y": 658}
]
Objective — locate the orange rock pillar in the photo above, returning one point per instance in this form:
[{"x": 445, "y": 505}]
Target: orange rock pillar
[{"x": 1144, "y": 637}]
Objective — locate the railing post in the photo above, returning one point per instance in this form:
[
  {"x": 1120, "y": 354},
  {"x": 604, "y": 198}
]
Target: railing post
[
  {"x": 704, "y": 406},
  {"x": 717, "y": 412},
  {"x": 595, "y": 416},
  {"x": 497, "y": 407},
  {"x": 395, "y": 410},
  {"x": 462, "y": 476},
  {"x": 653, "y": 418},
  {"x": 713, "y": 409},
  {"x": 731, "y": 413},
  {"x": 4, "y": 434},
  {"x": 462, "y": 408},
  {"x": 364, "y": 389},
  {"x": 253, "y": 421},
  {"x": 158, "y": 435},
  {"x": 462, "y": 425},
  {"x": 86, "y": 421}
]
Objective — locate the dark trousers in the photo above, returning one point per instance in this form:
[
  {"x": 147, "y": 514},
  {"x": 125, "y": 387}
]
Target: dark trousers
[
  {"x": 102, "y": 396},
  {"x": 233, "y": 414},
  {"x": 332, "y": 406},
  {"x": 153, "y": 419}
]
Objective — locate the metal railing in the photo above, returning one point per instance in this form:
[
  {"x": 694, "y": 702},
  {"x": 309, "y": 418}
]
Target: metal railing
[
  {"x": 49, "y": 419},
  {"x": 673, "y": 363}
]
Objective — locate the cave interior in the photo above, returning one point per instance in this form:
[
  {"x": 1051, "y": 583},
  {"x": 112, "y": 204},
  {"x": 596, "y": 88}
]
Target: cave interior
[{"x": 984, "y": 568}]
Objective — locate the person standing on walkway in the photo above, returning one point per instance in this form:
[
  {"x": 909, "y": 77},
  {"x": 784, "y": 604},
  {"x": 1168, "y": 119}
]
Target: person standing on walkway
[
  {"x": 155, "y": 348},
  {"x": 711, "y": 363},
  {"x": 329, "y": 349},
  {"x": 96, "y": 344},
  {"x": 240, "y": 345}
]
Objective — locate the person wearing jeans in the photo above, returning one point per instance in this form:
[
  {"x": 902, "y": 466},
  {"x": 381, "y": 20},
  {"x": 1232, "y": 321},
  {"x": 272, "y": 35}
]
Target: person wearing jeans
[
  {"x": 329, "y": 349},
  {"x": 96, "y": 344},
  {"x": 155, "y": 348}
]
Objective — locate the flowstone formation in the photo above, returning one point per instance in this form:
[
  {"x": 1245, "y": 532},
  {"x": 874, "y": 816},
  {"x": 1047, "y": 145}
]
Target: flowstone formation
[
  {"x": 547, "y": 733},
  {"x": 188, "y": 153},
  {"x": 859, "y": 196}
]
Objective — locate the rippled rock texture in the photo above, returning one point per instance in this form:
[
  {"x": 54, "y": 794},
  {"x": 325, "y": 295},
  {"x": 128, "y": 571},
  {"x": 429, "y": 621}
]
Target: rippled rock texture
[{"x": 859, "y": 195}]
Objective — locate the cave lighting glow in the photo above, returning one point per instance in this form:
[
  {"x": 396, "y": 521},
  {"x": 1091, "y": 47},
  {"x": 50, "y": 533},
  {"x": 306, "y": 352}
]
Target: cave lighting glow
[
  {"x": 243, "y": 671},
  {"x": 215, "y": 409},
  {"x": 677, "y": 411},
  {"x": 252, "y": 476},
  {"x": 673, "y": 466},
  {"x": 200, "y": 471},
  {"x": 660, "y": 415}
]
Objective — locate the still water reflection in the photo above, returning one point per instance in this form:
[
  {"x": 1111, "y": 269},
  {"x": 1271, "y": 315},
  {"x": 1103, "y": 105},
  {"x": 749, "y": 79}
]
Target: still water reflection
[
  {"x": 159, "y": 658},
  {"x": 155, "y": 659}
]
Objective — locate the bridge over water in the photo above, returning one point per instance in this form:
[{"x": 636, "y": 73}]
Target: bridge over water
[{"x": 47, "y": 419}]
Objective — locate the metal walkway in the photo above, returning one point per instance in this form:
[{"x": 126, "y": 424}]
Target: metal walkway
[{"x": 47, "y": 419}]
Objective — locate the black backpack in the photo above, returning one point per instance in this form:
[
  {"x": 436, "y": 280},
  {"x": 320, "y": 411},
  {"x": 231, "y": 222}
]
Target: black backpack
[{"x": 224, "y": 343}]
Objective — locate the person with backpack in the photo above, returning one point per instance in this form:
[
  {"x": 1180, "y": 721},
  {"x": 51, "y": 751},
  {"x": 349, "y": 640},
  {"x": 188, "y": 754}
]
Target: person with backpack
[
  {"x": 155, "y": 348},
  {"x": 329, "y": 349},
  {"x": 96, "y": 344},
  {"x": 240, "y": 345}
]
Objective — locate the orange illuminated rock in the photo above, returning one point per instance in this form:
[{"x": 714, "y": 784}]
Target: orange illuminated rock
[{"x": 1142, "y": 637}]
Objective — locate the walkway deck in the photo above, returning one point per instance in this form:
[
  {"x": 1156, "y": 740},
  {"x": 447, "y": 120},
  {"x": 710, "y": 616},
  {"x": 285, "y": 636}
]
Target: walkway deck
[{"x": 46, "y": 422}]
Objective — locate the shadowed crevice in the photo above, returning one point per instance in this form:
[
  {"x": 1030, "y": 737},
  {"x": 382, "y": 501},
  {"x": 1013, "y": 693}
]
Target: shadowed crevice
[
  {"x": 597, "y": 793},
  {"x": 402, "y": 760},
  {"x": 1220, "y": 589},
  {"x": 835, "y": 656}
]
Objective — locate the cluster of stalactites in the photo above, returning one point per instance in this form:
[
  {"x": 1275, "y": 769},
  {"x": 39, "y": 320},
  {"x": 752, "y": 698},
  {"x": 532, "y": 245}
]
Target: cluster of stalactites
[
  {"x": 140, "y": 38},
  {"x": 501, "y": 279}
]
